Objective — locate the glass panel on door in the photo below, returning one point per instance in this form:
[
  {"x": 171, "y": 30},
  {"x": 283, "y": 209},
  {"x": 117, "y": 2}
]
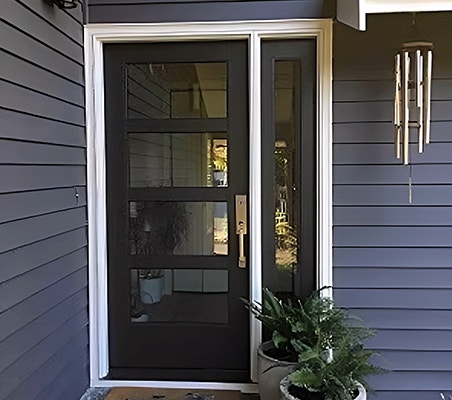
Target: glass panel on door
[
  {"x": 170, "y": 227},
  {"x": 179, "y": 295},
  {"x": 178, "y": 160},
  {"x": 286, "y": 188},
  {"x": 177, "y": 90}
]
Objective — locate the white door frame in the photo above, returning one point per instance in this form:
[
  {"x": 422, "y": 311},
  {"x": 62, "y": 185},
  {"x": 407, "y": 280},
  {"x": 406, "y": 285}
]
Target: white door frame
[{"x": 253, "y": 31}]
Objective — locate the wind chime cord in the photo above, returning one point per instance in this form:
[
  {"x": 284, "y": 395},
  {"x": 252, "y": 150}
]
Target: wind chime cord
[{"x": 410, "y": 187}]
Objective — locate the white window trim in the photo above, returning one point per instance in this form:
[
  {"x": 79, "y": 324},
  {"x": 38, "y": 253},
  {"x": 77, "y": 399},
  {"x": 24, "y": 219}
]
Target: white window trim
[{"x": 254, "y": 31}]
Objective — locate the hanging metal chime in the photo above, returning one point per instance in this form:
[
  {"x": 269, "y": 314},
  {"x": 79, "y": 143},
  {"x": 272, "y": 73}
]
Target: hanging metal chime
[{"x": 413, "y": 78}]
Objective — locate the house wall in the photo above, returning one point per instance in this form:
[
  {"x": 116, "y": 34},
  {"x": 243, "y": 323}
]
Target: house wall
[
  {"x": 43, "y": 260},
  {"x": 123, "y": 11},
  {"x": 392, "y": 260}
]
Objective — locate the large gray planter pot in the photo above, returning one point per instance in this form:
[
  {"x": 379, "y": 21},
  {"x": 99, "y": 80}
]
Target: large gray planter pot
[
  {"x": 270, "y": 372},
  {"x": 285, "y": 395}
]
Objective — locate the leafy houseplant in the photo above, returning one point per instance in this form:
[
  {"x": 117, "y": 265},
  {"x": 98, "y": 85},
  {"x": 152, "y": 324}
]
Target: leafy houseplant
[
  {"x": 157, "y": 227},
  {"x": 324, "y": 341},
  {"x": 294, "y": 323},
  {"x": 330, "y": 374}
]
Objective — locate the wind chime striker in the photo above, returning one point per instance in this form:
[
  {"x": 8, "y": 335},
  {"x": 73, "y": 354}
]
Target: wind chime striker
[{"x": 413, "y": 78}]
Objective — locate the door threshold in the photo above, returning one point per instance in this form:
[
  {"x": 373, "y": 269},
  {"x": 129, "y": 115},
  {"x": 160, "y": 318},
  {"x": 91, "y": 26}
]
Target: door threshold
[{"x": 242, "y": 387}]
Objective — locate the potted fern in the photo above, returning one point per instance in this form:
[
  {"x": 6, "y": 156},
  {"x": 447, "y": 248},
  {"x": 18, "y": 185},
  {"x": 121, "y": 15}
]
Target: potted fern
[
  {"x": 335, "y": 366},
  {"x": 293, "y": 324},
  {"x": 318, "y": 345}
]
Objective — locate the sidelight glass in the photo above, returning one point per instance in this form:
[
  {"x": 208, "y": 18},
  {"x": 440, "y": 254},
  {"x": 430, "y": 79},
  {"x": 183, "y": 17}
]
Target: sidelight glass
[
  {"x": 177, "y": 90},
  {"x": 179, "y": 295},
  {"x": 178, "y": 228},
  {"x": 287, "y": 172},
  {"x": 178, "y": 160}
]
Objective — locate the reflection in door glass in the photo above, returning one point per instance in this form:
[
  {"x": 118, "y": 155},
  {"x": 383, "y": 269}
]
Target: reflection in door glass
[
  {"x": 176, "y": 90},
  {"x": 179, "y": 295},
  {"x": 287, "y": 204},
  {"x": 168, "y": 227},
  {"x": 178, "y": 160}
]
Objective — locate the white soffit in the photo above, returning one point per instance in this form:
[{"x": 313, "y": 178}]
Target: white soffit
[{"x": 353, "y": 12}]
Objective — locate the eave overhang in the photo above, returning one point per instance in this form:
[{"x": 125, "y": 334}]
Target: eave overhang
[{"x": 353, "y": 12}]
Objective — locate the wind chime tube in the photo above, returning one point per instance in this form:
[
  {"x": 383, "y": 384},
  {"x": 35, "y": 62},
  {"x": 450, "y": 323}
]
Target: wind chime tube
[
  {"x": 406, "y": 107},
  {"x": 420, "y": 99},
  {"x": 427, "y": 96},
  {"x": 397, "y": 110}
]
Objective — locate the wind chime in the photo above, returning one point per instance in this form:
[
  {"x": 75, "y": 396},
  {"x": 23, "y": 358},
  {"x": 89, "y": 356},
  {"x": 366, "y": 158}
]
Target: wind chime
[{"x": 413, "y": 78}]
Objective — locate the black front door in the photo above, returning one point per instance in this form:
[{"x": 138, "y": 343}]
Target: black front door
[{"x": 177, "y": 157}]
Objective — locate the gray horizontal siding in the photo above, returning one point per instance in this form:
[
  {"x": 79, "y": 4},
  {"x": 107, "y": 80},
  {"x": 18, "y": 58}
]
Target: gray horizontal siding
[
  {"x": 383, "y": 153},
  {"x": 410, "y": 257},
  {"x": 389, "y": 236},
  {"x": 408, "y": 319},
  {"x": 401, "y": 298},
  {"x": 41, "y": 30},
  {"x": 67, "y": 364},
  {"x": 27, "y": 204},
  {"x": 38, "y": 53},
  {"x": 375, "y": 111},
  {"x": 392, "y": 259},
  {"x": 201, "y": 10},
  {"x": 16, "y": 125},
  {"x": 392, "y": 174},
  {"x": 16, "y": 346},
  {"x": 26, "y": 231},
  {"x": 43, "y": 253},
  {"x": 18, "y": 98},
  {"x": 18, "y": 152},
  {"x": 392, "y": 195},
  {"x": 24, "y": 286},
  {"x": 16, "y": 178},
  {"x": 389, "y": 216},
  {"x": 413, "y": 381},
  {"x": 19, "y": 261},
  {"x": 382, "y": 90},
  {"x": 408, "y": 361},
  {"x": 383, "y": 132},
  {"x": 377, "y": 278},
  {"x": 40, "y": 80},
  {"x": 43, "y": 352}
]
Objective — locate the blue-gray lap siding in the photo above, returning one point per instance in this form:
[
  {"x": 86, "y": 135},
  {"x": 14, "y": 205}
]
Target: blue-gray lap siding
[
  {"x": 43, "y": 238},
  {"x": 392, "y": 260},
  {"x": 123, "y": 11}
]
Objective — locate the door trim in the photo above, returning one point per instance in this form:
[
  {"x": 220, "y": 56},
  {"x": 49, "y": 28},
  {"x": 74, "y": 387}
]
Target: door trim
[{"x": 254, "y": 31}]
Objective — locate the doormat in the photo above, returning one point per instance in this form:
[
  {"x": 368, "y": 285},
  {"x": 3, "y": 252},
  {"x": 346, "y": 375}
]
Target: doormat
[{"x": 132, "y": 393}]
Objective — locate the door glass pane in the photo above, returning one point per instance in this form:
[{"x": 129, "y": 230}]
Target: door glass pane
[
  {"x": 167, "y": 227},
  {"x": 179, "y": 295},
  {"x": 177, "y": 90},
  {"x": 287, "y": 204},
  {"x": 178, "y": 159}
]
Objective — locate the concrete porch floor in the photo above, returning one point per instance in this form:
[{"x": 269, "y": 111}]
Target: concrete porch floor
[{"x": 101, "y": 393}]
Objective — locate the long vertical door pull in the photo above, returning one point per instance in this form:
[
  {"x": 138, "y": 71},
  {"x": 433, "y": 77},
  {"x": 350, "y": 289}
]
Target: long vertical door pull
[{"x": 241, "y": 226}]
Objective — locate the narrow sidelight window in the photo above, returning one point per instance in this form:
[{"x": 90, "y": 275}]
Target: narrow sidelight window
[{"x": 288, "y": 167}]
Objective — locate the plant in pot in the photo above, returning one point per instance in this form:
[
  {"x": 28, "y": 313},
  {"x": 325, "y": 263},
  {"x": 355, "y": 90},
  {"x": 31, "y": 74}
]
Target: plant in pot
[
  {"x": 151, "y": 285},
  {"x": 334, "y": 367},
  {"x": 294, "y": 324},
  {"x": 157, "y": 227}
]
